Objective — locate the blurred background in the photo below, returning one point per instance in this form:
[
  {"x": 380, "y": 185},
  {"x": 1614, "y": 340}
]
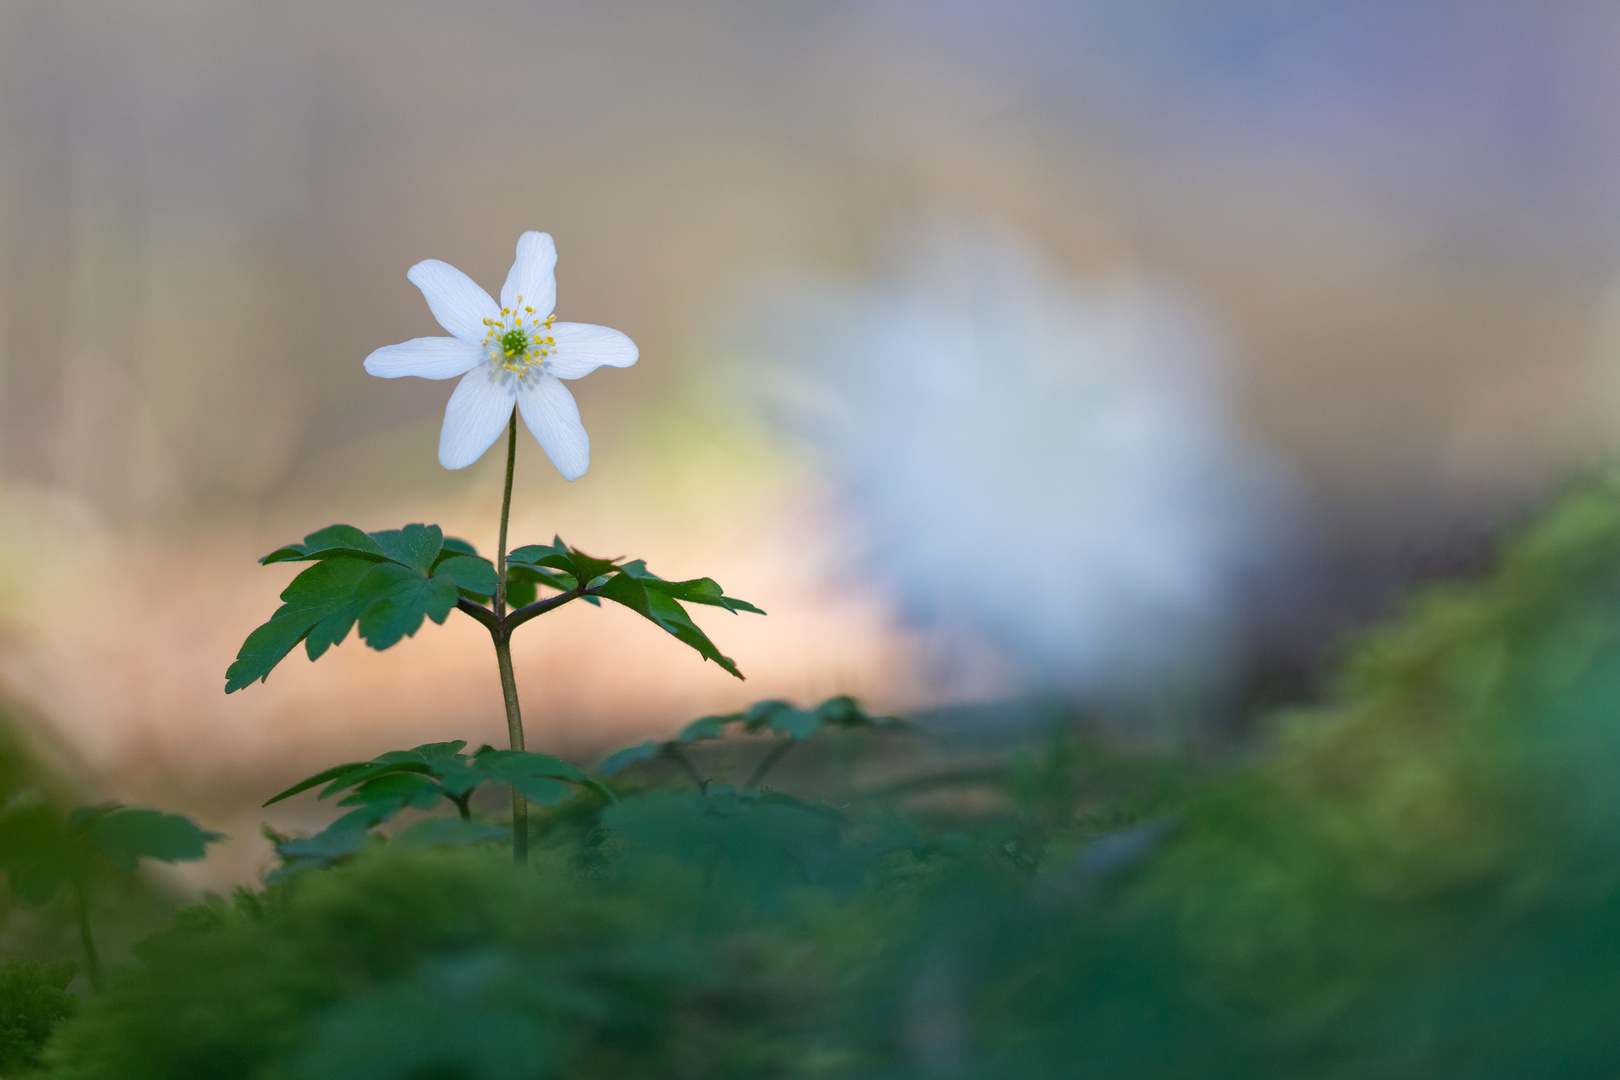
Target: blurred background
[{"x": 1111, "y": 353}]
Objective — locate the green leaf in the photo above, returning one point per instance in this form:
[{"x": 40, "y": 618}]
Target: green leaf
[
  {"x": 702, "y": 591},
  {"x": 336, "y": 772},
  {"x": 470, "y": 573},
  {"x": 456, "y": 775},
  {"x": 534, "y": 775},
  {"x": 368, "y": 815},
  {"x": 780, "y": 717},
  {"x": 620, "y": 760},
  {"x": 516, "y": 572},
  {"x": 321, "y": 596},
  {"x": 667, "y": 613},
  {"x": 36, "y": 852},
  {"x": 705, "y": 728},
  {"x": 845, "y": 711},
  {"x": 560, "y": 556},
  {"x": 520, "y": 593},
  {"x": 695, "y": 591},
  {"x": 393, "y": 601},
  {"x": 429, "y": 751},
  {"x": 374, "y": 769},
  {"x": 418, "y": 791},
  {"x": 328, "y": 632},
  {"x": 503, "y": 764},
  {"x": 123, "y": 836},
  {"x": 326, "y": 848},
  {"x": 436, "y": 832},
  {"x": 38, "y": 883},
  {"x": 456, "y": 546},
  {"x": 332, "y": 540},
  {"x": 415, "y": 546}
]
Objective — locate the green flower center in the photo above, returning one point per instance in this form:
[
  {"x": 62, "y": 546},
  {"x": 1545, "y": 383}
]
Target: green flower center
[
  {"x": 518, "y": 340},
  {"x": 514, "y": 343}
]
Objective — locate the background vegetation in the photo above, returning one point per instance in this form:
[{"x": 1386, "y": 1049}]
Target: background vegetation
[{"x": 1415, "y": 878}]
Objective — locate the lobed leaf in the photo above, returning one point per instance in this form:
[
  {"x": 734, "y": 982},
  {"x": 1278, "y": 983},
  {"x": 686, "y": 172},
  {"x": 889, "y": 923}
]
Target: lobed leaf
[
  {"x": 336, "y": 772},
  {"x": 667, "y": 613},
  {"x": 454, "y": 545},
  {"x": 520, "y": 592},
  {"x": 123, "y": 836},
  {"x": 470, "y": 574},
  {"x": 435, "y": 832},
  {"x": 416, "y": 790},
  {"x": 620, "y": 760},
  {"x": 415, "y": 546},
  {"x": 326, "y": 848},
  {"x": 322, "y": 597},
  {"x": 375, "y": 768},
  {"x": 393, "y": 600},
  {"x": 429, "y": 751},
  {"x": 705, "y": 728},
  {"x": 536, "y": 773},
  {"x": 559, "y": 556},
  {"x": 327, "y": 542}
]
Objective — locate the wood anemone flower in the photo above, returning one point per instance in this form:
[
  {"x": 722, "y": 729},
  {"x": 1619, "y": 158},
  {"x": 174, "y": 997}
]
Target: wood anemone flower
[{"x": 514, "y": 352}]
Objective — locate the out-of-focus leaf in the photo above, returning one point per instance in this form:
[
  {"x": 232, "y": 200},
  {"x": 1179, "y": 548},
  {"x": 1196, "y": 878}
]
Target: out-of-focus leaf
[
  {"x": 36, "y": 852},
  {"x": 456, "y": 774},
  {"x": 336, "y": 772},
  {"x": 447, "y": 832},
  {"x": 620, "y": 760},
  {"x": 535, "y": 773},
  {"x": 421, "y": 792},
  {"x": 704, "y": 728},
  {"x": 432, "y": 750},
  {"x": 324, "y": 849},
  {"x": 379, "y": 767},
  {"x": 503, "y": 763},
  {"x": 124, "y": 836}
]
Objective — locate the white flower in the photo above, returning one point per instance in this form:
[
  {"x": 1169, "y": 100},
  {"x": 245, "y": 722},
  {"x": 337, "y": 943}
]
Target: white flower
[
  {"x": 513, "y": 352},
  {"x": 1050, "y": 469}
]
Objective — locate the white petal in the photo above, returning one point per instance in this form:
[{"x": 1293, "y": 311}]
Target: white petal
[
  {"x": 549, "y": 411},
  {"x": 426, "y": 358},
  {"x": 454, "y": 298},
  {"x": 582, "y": 348},
  {"x": 533, "y": 276},
  {"x": 476, "y": 415}
]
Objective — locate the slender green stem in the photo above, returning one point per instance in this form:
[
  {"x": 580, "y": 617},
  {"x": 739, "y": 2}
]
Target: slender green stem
[
  {"x": 92, "y": 959},
  {"x": 506, "y": 513},
  {"x": 503, "y": 652},
  {"x": 676, "y": 755},
  {"x": 768, "y": 763}
]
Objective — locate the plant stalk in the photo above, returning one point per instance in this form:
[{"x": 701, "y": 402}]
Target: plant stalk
[
  {"x": 503, "y": 652},
  {"x": 92, "y": 959},
  {"x": 770, "y": 761}
]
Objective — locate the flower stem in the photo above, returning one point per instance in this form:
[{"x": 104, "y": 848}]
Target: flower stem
[
  {"x": 503, "y": 653},
  {"x": 92, "y": 959}
]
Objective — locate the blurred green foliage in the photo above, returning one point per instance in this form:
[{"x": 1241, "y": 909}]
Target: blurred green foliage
[
  {"x": 33, "y": 1000},
  {"x": 1417, "y": 878}
]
